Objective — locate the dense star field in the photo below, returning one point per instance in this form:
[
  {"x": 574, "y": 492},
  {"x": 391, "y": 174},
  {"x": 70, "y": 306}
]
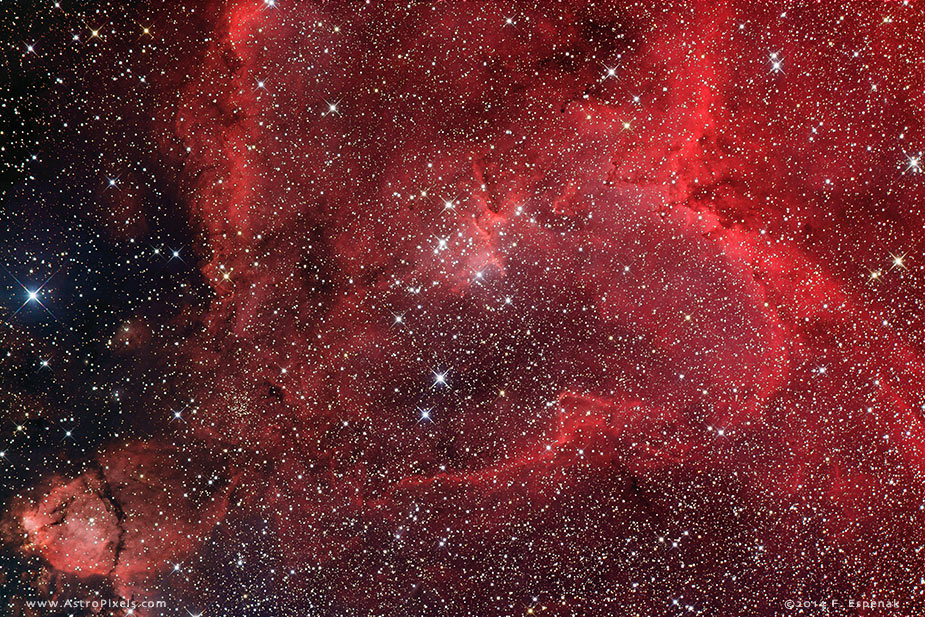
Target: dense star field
[{"x": 462, "y": 308}]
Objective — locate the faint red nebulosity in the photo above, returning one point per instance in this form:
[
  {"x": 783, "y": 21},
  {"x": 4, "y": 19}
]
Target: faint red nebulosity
[{"x": 648, "y": 290}]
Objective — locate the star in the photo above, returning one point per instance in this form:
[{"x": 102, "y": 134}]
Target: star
[
  {"x": 776, "y": 63},
  {"x": 913, "y": 164}
]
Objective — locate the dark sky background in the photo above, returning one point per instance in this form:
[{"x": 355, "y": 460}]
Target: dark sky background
[{"x": 462, "y": 308}]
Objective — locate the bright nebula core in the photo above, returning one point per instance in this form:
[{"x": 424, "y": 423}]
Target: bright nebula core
[{"x": 495, "y": 308}]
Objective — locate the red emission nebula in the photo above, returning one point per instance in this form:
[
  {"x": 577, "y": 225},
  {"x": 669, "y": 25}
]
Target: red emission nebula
[{"x": 497, "y": 308}]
